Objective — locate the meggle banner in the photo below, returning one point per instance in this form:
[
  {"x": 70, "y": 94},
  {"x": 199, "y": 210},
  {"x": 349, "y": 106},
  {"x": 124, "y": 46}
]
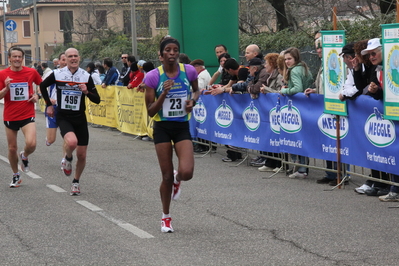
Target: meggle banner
[{"x": 296, "y": 124}]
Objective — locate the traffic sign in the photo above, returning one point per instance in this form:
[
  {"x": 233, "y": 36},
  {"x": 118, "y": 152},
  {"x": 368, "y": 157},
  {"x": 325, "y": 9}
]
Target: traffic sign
[
  {"x": 11, "y": 25},
  {"x": 11, "y": 36}
]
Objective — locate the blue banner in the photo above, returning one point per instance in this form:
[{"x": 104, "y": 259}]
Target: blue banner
[{"x": 296, "y": 124}]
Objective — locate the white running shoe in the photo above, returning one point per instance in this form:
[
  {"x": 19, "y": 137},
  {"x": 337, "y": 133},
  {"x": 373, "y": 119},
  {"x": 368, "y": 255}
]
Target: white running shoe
[
  {"x": 362, "y": 189},
  {"x": 265, "y": 169},
  {"x": 166, "y": 225},
  {"x": 24, "y": 162},
  {"x": 298, "y": 175},
  {"x": 66, "y": 167},
  {"x": 176, "y": 191},
  {"x": 16, "y": 180},
  {"x": 75, "y": 189}
]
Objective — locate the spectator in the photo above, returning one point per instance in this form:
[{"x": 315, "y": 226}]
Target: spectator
[
  {"x": 55, "y": 63},
  {"x": 90, "y": 68},
  {"x": 112, "y": 74},
  {"x": 203, "y": 75},
  {"x": 258, "y": 75},
  {"x": 184, "y": 59},
  {"x": 101, "y": 71},
  {"x": 147, "y": 67},
  {"x": 298, "y": 78},
  {"x": 124, "y": 77},
  {"x": 39, "y": 68},
  {"x": 374, "y": 89},
  {"x": 140, "y": 65},
  {"x": 252, "y": 51},
  {"x": 45, "y": 70},
  {"x": 135, "y": 76},
  {"x": 219, "y": 50},
  {"x": 273, "y": 84}
]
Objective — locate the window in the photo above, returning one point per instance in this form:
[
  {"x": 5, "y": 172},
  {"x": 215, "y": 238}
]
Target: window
[
  {"x": 143, "y": 23},
  {"x": 66, "y": 20},
  {"x": 127, "y": 25},
  {"x": 162, "y": 18},
  {"x": 101, "y": 19},
  {"x": 26, "y": 28}
]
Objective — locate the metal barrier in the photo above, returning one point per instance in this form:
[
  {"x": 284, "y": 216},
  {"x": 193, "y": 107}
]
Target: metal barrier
[{"x": 347, "y": 170}]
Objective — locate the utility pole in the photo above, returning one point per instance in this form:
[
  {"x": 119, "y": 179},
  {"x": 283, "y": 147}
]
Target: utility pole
[
  {"x": 4, "y": 33},
  {"x": 133, "y": 26},
  {"x": 36, "y": 31}
]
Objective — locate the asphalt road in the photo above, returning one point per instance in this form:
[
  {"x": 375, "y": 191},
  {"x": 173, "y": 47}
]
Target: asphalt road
[{"x": 226, "y": 215}]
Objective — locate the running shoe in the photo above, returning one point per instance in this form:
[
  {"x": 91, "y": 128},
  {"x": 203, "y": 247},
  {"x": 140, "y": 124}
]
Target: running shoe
[
  {"x": 176, "y": 187},
  {"x": 166, "y": 225},
  {"x": 298, "y": 175},
  {"x": 66, "y": 166},
  {"x": 391, "y": 196},
  {"x": 24, "y": 163},
  {"x": 75, "y": 189},
  {"x": 16, "y": 180}
]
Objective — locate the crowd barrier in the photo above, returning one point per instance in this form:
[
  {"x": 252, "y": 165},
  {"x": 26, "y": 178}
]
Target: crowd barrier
[{"x": 272, "y": 123}]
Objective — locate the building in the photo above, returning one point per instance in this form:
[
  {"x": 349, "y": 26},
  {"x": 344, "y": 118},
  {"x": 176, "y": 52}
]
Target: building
[{"x": 66, "y": 21}]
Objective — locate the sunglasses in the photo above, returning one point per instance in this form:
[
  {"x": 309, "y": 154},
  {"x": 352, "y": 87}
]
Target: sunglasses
[
  {"x": 373, "y": 53},
  {"x": 123, "y": 57}
]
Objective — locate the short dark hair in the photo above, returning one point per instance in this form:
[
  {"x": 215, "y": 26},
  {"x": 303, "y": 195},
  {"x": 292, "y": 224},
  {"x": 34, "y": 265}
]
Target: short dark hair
[
  {"x": 225, "y": 55},
  {"x": 131, "y": 58},
  {"x": 231, "y": 63},
  {"x": 15, "y": 48},
  {"x": 108, "y": 62},
  {"x": 221, "y": 45},
  {"x": 91, "y": 67},
  {"x": 44, "y": 65},
  {"x": 148, "y": 66}
]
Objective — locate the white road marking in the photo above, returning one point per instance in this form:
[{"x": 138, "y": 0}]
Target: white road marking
[
  {"x": 127, "y": 226},
  {"x": 89, "y": 206},
  {"x": 56, "y": 188},
  {"x": 31, "y": 174}
]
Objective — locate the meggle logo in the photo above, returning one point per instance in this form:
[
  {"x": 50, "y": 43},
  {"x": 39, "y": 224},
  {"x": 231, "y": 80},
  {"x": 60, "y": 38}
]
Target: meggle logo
[
  {"x": 327, "y": 125},
  {"x": 251, "y": 117},
  {"x": 224, "y": 115},
  {"x": 290, "y": 118},
  {"x": 274, "y": 117},
  {"x": 199, "y": 112},
  {"x": 380, "y": 132}
]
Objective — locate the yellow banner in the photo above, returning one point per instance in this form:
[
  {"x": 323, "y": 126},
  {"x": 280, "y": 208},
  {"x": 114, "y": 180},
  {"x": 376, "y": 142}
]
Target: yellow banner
[
  {"x": 129, "y": 110},
  {"x": 102, "y": 113}
]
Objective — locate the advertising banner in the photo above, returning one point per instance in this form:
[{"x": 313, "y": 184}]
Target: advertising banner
[
  {"x": 390, "y": 44},
  {"x": 334, "y": 71}
]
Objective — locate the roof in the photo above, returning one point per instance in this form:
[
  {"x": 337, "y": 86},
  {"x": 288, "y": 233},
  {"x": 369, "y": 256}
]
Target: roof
[{"x": 18, "y": 12}]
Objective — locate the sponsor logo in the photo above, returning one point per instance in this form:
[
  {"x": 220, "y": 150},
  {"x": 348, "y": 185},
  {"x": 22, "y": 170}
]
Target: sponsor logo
[
  {"x": 224, "y": 115},
  {"x": 334, "y": 71},
  {"x": 251, "y": 117},
  {"x": 199, "y": 111},
  {"x": 274, "y": 117},
  {"x": 393, "y": 70},
  {"x": 380, "y": 132},
  {"x": 290, "y": 118},
  {"x": 327, "y": 125}
]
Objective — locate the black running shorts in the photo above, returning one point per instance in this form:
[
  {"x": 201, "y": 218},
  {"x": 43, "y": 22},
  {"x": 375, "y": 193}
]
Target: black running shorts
[
  {"x": 76, "y": 124},
  {"x": 167, "y": 131},
  {"x": 16, "y": 125}
]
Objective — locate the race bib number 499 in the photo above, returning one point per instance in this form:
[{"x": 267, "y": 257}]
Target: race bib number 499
[{"x": 70, "y": 100}]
